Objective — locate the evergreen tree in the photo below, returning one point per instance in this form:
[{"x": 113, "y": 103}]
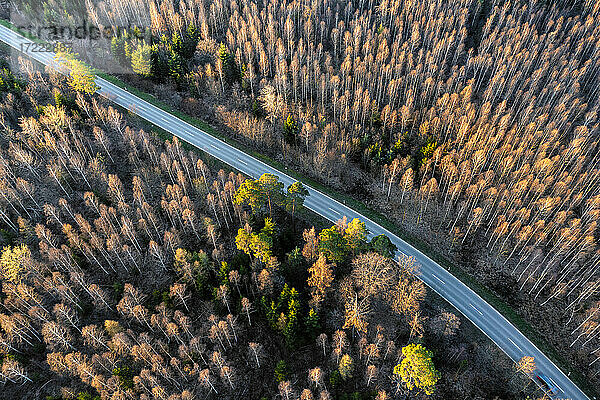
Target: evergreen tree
[
  {"x": 176, "y": 66},
  {"x": 332, "y": 244},
  {"x": 383, "y": 245},
  {"x": 190, "y": 42},
  {"x": 223, "y": 54},
  {"x": 224, "y": 273},
  {"x": 296, "y": 194},
  {"x": 250, "y": 192},
  {"x": 290, "y": 129},
  {"x": 272, "y": 191},
  {"x": 176, "y": 44},
  {"x": 160, "y": 67},
  {"x": 291, "y": 329},
  {"x": 281, "y": 371},
  {"x": 312, "y": 324},
  {"x": 9, "y": 83},
  {"x": 118, "y": 50}
]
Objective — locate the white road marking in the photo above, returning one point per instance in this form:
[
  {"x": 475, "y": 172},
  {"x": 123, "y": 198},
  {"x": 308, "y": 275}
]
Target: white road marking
[
  {"x": 474, "y": 308},
  {"x": 337, "y": 212},
  {"x": 516, "y": 345},
  {"x": 438, "y": 278},
  {"x": 242, "y": 161},
  {"x": 214, "y": 147}
]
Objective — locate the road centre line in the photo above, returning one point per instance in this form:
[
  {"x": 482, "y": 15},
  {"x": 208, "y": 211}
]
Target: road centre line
[
  {"x": 438, "y": 278},
  {"x": 475, "y": 308},
  {"x": 516, "y": 345}
]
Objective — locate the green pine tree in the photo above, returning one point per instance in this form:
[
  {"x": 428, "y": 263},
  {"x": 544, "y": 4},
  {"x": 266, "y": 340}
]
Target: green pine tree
[
  {"x": 176, "y": 66},
  {"x": 284, "y": 296},
  {"x": 224, "y": 273},
  {"x": 223, "y": 54},
  {"x": 290, "y": 129},
  {"x": 332, "y": 244},
  {"x": 290, "y": 331},
  {"x": 281, "y": 371},
  {"x": 160, "y": 67},
  {"x": 127, "y": 48},
  {"x": 190, "y": 42},
  {"x": 312, "y": 324}
]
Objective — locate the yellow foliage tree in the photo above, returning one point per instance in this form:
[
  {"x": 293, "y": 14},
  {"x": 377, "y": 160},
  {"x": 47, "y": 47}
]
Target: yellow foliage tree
[
  {"x": 526, "y": 365},
  {"x": 320, "y": 278},
  {"x": 346, "y": 366},
  {"x": 112, "y": 327},
  {"x": 356, "y": 235},
  {"x": 141, "y": 62},
  {"x": 13, "y": 261},
  {"x": 80, "y": 75},
  {"x": 417, "y": 369}
]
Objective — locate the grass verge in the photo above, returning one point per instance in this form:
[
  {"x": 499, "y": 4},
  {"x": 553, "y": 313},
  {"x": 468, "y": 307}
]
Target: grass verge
[
  {"x": 10, "y": 26},
  {"x": 508, "y": 312}
]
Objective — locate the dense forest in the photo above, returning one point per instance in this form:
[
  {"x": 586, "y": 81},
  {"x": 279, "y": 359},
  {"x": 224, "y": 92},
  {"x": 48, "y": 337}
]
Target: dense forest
[
  {"x": 134, "y": 267},
  {"x": 472, "y": 124}
]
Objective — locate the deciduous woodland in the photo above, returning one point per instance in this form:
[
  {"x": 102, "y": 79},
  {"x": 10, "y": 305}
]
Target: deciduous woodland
[
  {"x": 135, "y": 268},
  {"x": 471, "y": 123}
]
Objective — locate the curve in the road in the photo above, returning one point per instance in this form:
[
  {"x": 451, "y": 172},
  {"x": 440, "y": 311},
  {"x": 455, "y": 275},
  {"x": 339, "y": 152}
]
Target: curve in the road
[{"x": 469, "y": 303}]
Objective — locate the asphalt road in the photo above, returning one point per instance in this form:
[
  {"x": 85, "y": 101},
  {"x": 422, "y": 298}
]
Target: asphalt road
[{"x": 470, "y": 304}]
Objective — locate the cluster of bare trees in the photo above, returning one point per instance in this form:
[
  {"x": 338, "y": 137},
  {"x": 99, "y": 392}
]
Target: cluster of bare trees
[
  {"x": 506, "y": 98},
  {"x": 100, "y": 202},
  {"x": 474, "y": 125},
  {"x": 513, "y": 116},
  {"x": 131, "y": 228},
  {"x": 100, "y": 295}
]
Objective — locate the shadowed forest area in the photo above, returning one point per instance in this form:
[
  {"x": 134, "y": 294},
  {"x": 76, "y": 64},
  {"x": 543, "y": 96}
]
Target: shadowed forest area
[{"x": 471, "y": 124}]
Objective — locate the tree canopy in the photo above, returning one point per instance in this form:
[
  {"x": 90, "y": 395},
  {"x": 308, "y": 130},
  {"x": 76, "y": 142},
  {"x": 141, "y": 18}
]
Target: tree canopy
[
  {"x": 417, "y": 369},
  {"x": 267, "y": 192},
  {"x": 81, "y": 77},
  {"x": 12, "y": 262}
]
